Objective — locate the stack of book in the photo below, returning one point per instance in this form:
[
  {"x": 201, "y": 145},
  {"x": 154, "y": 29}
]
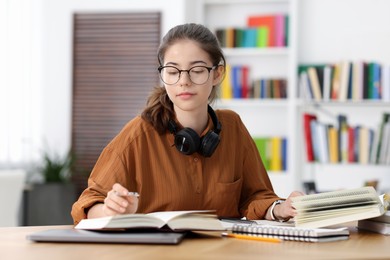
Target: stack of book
[{"x": 379, "y": 224}]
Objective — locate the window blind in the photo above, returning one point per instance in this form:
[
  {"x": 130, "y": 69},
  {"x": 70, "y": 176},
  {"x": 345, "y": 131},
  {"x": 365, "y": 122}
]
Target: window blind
[{"x": 114, "y": 70}]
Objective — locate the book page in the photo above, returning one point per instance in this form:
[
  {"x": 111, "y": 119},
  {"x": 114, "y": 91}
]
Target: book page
[{"x": 166, "y": 216}]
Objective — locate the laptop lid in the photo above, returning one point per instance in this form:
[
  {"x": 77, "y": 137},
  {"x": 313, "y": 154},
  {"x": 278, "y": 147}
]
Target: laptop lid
[{"x": 87, "y": 236}]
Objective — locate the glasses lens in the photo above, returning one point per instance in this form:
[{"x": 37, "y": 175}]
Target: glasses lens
[
  {"x": 170, "y": 75},
  {"x": 199, "y": 75}
]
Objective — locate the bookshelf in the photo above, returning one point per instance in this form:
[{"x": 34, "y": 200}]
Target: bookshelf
[
  {"x": 325, "y": 40},
  {"x": 265, "y": 117},
  {"x": 309, "y": 24}
]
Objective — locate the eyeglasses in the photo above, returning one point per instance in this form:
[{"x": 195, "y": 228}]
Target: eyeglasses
[{"x": 198, "y": 75}]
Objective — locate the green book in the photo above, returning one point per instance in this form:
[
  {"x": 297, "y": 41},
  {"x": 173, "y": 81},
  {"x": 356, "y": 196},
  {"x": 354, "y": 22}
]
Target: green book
[
  {"x": 262, "y": 144},
  {"x": 262, "y": 39}
]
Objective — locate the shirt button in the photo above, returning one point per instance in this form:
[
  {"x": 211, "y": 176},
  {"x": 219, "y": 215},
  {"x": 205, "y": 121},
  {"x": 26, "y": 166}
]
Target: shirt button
[{"x": 196, "y": 159}]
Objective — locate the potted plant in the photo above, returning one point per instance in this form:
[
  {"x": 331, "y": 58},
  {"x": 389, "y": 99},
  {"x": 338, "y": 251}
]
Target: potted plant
[{"x": 50, "y": 202}]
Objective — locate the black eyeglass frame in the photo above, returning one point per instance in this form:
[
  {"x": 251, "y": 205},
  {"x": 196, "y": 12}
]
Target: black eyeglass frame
[{"x": 209, "y": 69}]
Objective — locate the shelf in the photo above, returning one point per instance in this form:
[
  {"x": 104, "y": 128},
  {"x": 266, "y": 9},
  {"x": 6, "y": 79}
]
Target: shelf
[
  {"x": 225, "y": 2},
  {"x": 242, "y": 52},
  {"x": 349, "y": 103},
  {"x": 252, "y": 103},
  {"x": 328, "y": 176}
]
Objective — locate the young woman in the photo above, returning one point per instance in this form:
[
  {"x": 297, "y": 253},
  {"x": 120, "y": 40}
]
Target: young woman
[{"x": 180, "y": 154}]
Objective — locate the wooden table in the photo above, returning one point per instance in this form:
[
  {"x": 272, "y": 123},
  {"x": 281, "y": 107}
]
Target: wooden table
[{"x": 360, "y": 245}]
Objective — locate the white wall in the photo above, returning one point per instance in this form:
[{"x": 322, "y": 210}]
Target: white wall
[
  {"x": 57, "y": 61},
  {"x": 331, "y": 30}
]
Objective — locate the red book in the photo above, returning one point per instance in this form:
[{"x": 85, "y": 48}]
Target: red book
[
  {"x": 244, "y": 82},
  {"x": 307, "y": 118},
  {"x": 265, "y": 21}
]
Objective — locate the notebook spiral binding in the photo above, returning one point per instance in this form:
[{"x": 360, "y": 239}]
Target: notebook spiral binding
[{"x": 285, "y": 233}]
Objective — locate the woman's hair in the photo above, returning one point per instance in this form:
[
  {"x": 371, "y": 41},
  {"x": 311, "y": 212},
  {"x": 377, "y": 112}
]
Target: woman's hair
[{"x": 159, "y": 108}]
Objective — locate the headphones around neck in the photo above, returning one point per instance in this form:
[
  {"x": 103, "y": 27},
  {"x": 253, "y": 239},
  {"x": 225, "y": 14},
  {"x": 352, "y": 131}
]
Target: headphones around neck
[{"x": 187, "y": 141}]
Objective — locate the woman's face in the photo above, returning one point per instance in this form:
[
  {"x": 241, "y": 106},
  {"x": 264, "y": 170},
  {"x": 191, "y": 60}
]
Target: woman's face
[{"x": 184, "y": 94}]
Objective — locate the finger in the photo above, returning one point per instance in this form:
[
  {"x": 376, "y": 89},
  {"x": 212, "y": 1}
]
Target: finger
[
  {"x": 119, "y": 189},
  {"x": 116, "y": 203},
  {"x": 296, "y": 194},
  {"x": 133, "y": 204},
  {"x": 118, "y": 199}
]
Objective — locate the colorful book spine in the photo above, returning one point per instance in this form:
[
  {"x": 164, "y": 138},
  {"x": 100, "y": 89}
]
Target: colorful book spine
[
  {"x": 326, "y": 143},
  {"x": 345, "y": 80},
  {"x": 273, "y": 152}
]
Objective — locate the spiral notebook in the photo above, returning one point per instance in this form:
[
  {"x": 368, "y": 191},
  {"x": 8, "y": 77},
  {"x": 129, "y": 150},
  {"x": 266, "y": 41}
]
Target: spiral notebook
[{"x": 293, "y": 233}]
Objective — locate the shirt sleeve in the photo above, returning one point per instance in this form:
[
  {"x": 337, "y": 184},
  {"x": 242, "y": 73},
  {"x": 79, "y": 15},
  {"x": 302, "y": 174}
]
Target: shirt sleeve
[{"x": 108, "y": 170}]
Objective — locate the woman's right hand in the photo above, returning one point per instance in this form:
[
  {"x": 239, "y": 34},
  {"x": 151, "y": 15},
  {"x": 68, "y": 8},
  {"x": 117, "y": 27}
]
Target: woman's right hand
[{"x": 117, "y": 202}]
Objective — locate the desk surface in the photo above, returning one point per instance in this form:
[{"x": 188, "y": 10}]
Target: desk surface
[{"x": 360, "y": 245}]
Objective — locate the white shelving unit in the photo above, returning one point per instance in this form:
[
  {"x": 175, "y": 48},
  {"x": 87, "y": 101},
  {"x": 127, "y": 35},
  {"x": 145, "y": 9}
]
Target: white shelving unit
[
  {"x": 262, "y": 117},
  {"x": 331, "y": 31},
  {"x": 284, "y": 117}
]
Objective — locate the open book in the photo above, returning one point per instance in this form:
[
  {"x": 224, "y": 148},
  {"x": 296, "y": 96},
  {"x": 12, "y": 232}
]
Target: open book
[
  {"x": 336, "y": 207},
  {"x": 173, "y": 220}
]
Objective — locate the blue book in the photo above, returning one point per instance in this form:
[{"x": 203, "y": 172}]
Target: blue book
[
  {"x": 284, "y": 154},
  {"x": 314, "y": 139},
  {"x": 236, "y": 81},
  {"x": 249, "y": 37}
]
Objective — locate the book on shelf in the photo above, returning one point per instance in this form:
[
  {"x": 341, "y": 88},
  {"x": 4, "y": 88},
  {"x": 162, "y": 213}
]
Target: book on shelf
[
  {"x": 344, "y": 80},
  {"x": 276, "y": 154},
  {"x": 304, "y": 87},
  {"x": 315, "y": 83},
  {"x": 326, "y": 143},
  {"x": 347, "y": 80},
  {"x": 312, "y": 81},
  {"x": 385, "y": 82},
  {"x": 170, "y": 220},
  {"x": 379, "y": 149},
  {"x": 264, "y": 21},
  {"x": 337, "y": 207},
  {"x": 273, "y": 152},
  {"x": 342, "y": 121},
  {"x": 333, "y": 144},
  {"x": 226, "y": 85},
  {"x": 260, "y": 31},
  {"x": 290, "y": 232}
]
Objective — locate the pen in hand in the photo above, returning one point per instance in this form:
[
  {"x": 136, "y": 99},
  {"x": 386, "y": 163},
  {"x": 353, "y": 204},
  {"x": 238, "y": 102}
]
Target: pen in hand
[{"x": 130, "y": 193}]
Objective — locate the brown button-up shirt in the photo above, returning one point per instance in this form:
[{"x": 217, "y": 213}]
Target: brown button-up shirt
[{"x": 233, "y": 181}]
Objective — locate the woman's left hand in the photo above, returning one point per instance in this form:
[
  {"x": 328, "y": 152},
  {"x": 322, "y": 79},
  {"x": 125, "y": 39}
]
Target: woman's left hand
[{"x": 285, "y": 210}]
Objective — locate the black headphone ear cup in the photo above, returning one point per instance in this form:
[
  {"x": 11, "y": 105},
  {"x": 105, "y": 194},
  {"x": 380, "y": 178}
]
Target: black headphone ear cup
[
  {"x": 209, "y": 143},
  {"x": 187, "y": 141}
]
